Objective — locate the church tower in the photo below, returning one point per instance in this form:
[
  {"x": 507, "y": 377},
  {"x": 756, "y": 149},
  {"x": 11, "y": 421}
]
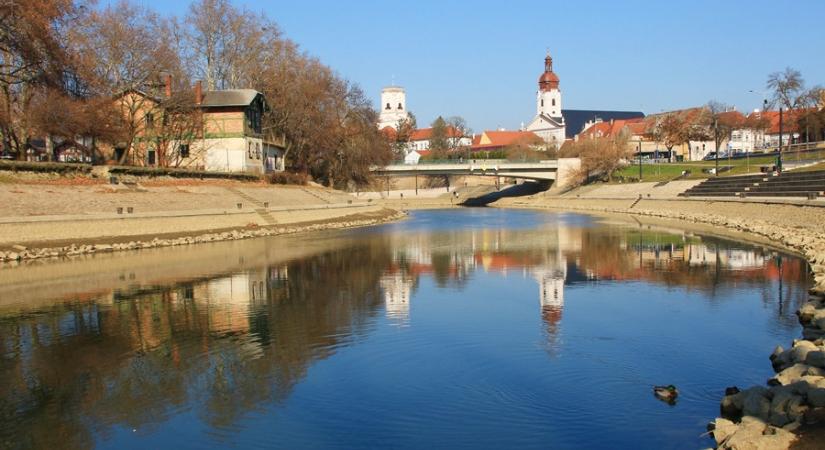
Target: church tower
[
  {"x": 393, "y": 107},
  {"x": 548, "y": 98},
  {"x": 549, "y": 121}
]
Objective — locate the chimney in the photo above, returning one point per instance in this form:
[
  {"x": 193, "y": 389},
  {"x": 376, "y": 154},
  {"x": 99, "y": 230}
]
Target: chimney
[
  {"x": 198, "y": 93},
  {"x": 167, "y": 82}
]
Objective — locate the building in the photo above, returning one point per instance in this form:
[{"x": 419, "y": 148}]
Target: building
[
  {"x": 393, "y": 107},
  {"x": 420, "y": 139},
  {"x": 577, "y": 120},
  {"x": 548, "y": 124},
  {"x": 233, "y": 138},
  {"x": 214, "y": 131},
  {"x": 490, "y": 141}
]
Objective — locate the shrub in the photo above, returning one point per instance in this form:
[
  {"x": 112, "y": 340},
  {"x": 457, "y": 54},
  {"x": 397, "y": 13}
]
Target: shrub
[
  {"x": 300, "y": 179},
  {"x": 55, "y": 167},
  {"x": 180, "y": 173}
]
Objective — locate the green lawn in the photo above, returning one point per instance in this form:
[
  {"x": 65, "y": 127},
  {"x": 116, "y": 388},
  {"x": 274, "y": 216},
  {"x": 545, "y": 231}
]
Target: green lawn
[{"x": 669, "y": 171}]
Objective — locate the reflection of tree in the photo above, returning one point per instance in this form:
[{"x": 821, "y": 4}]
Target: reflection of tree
[
  {"x": 224, "y": 345},
  {"x": 139, "y": 360}
]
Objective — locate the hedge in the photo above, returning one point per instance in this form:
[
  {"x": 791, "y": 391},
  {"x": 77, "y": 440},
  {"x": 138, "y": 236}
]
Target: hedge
[
  {"x": 53, "y": 167},
  {"x": 180, "y": 173}
]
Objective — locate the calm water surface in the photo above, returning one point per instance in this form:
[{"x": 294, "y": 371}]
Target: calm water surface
[{"x": 475, "y": 328}]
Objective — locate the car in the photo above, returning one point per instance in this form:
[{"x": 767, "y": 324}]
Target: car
[{"x": 710, "y": 156}]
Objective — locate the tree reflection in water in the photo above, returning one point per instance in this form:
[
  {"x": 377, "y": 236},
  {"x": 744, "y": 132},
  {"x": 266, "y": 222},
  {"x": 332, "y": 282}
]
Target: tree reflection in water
[{"x": 221, "y": 346}]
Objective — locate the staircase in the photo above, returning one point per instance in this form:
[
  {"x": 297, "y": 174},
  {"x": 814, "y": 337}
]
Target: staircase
[
  {"x": 788, "y": 184},
  {"x": 260, "y": 207}
]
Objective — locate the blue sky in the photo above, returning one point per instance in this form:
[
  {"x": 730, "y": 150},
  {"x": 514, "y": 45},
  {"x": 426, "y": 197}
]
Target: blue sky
[{"x": 481, "y": 59}]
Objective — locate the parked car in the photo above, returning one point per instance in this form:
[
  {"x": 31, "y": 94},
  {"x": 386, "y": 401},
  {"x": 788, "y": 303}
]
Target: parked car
[{"x": 710, "y": 156}]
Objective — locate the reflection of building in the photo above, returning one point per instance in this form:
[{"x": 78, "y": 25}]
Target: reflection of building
[{"x": 397, "y": 289}]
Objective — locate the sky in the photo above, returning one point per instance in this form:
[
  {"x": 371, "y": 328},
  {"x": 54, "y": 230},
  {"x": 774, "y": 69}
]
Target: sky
[{"x": 481, "y": 60}]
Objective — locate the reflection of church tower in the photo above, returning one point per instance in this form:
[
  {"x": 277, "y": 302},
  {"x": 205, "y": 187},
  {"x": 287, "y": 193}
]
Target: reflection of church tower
[
  {"x": 397, "y": 290},
  {"x": 551, "y": 296}
]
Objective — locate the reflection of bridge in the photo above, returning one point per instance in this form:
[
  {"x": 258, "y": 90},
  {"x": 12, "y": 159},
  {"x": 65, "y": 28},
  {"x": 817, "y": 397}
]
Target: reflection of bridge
[{"x": 541, "y": 171}]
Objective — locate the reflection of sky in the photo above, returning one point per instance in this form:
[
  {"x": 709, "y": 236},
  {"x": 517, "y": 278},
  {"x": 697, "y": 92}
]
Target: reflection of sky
[
  {"x": 480, "y": 218},
  {"x": 501, "y": 329}
]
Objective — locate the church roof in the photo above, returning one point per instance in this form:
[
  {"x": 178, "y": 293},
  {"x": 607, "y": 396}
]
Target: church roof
[{"x": 576, "y": 118}]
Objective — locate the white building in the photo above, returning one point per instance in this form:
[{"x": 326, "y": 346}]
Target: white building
[
  {"x": 393, "y": 107},
  {"x": 549, "y": 122}
]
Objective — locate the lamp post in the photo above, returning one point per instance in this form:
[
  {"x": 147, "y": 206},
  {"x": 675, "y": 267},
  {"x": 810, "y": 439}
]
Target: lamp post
[
  {"x": 716, "y": 141},
  {"x": 640, "y": 161},
  {"x": 779, "y": 157}
]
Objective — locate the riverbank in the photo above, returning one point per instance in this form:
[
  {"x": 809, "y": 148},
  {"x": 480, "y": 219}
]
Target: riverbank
[
  {"x": 790, "y": 411},
  {"x": 64, "y": 217}
]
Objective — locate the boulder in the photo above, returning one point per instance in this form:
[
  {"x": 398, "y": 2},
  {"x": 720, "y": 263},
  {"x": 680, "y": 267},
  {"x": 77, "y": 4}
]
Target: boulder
[
  {"x": 789, "y": 375},
  {"x": 816, "y": 358},
  {"x": 722, "y": 429},
  {"x": 756, "y": 403}
]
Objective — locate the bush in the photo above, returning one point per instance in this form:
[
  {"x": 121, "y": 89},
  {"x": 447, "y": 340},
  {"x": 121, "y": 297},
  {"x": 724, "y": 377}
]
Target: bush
[
  {"x": 300, "y": 179},
  {"x": 55, "y": 167},
  {"x": 180, "y": 173}
]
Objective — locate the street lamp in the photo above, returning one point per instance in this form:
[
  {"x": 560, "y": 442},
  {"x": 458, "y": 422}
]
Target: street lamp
[{"x": 640, "y": 161}]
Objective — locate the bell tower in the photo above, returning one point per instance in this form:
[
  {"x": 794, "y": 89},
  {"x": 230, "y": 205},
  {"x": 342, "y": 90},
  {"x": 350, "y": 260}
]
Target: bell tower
[
  {"x": 393, "y": 107},
  {"x": 548, "y": 97}
]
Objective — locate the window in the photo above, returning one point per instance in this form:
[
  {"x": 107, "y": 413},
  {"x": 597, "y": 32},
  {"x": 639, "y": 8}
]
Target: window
[
  {"x": 258, "y": 151},
  {"x": 542, "y": 102},
  {"x": 183, "y": 150},
  {"x": 150, "y": 157},
  {"x": 150, "y": 121},
  {"x": 249, "y": 151},
  {"x": 400, "y": 107},
  {"x": 554, "y": 102},
  {"x": 388, "y": 107}
]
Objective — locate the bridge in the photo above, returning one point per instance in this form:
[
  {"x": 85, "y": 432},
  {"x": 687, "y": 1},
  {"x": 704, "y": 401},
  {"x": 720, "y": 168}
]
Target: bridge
[{"x": 539, "y": 171}]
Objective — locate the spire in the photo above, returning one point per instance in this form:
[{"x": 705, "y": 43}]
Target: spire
[{"x": 548, "y": 80}]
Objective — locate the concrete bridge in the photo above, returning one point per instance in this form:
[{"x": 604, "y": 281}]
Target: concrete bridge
[{"x": 540, "y": 171}]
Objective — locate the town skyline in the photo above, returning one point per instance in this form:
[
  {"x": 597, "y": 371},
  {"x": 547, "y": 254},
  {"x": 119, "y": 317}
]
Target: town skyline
[{"x": 636, "y": 56}]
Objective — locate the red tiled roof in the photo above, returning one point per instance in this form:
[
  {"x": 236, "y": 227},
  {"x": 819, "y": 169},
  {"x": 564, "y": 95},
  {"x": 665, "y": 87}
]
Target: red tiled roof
[
  {"x": 637, "y": 127},
  {"x": 424, "y": 134},
  {"x": 499, "y": 139},
  {"x": 389, "y": 132},
  {"x": 789, "y": 120}
]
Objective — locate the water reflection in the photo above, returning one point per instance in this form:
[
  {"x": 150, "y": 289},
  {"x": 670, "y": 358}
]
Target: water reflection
[{"x": 133, "y": 353}]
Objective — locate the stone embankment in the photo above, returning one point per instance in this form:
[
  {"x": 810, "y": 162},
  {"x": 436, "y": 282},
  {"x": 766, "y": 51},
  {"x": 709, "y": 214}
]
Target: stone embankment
[
  {"x": 23, "y": 253},
  {"x": 760, "y": 417}
]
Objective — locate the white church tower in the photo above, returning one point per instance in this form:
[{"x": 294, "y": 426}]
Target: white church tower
[
  {"x": 393, "y": 107},
  {"x": 549, "y": 122}
]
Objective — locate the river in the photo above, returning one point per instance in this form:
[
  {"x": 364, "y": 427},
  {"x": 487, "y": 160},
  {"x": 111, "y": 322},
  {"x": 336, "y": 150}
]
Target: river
[{"x": 472, "y": 328}]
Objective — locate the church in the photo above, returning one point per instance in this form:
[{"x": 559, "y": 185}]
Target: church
[{"x": 549, "y": 122}]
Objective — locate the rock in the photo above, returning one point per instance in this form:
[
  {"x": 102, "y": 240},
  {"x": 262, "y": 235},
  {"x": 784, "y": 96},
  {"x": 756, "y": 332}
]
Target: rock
[
  {"x": 816, "y": 358},
  {"x": 731, "y": 405},
  {"x": 756, "y": 403},
  {"x": 789, "y": 375},
  {"x": 816, "y": 396},
  {"x": 750, "y": 434},
  {"x": 779, "y": 405},
  {"x": 19, "y": 248},
  {"x": 778, "y": 350},
  {"x": 800, "y": 350},
  {"x": 722, "y": 429}
]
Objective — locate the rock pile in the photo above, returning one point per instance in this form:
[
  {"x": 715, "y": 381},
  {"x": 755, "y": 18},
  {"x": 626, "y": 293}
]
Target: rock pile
[
  {"x": 22, "y": 253},
  {"x": 765, "y": 417}
]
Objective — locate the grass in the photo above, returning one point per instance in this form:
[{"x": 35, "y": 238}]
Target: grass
[{"x": 669, "y": 171}]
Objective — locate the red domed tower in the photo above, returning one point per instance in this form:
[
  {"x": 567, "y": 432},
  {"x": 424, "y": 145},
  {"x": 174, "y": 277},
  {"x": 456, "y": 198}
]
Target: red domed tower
[{"x": 548, "y": 80}]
